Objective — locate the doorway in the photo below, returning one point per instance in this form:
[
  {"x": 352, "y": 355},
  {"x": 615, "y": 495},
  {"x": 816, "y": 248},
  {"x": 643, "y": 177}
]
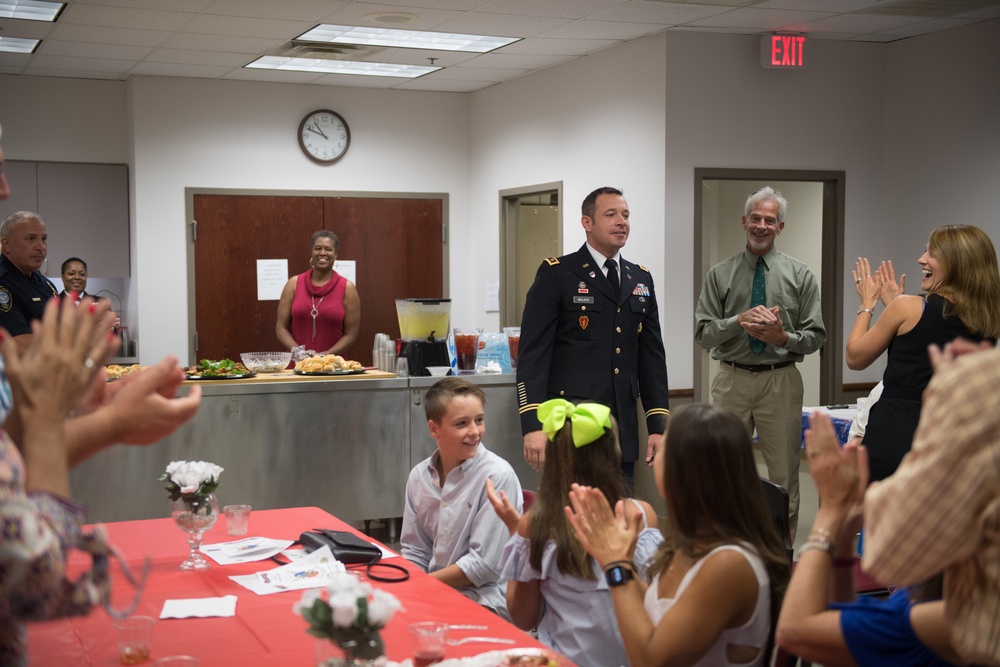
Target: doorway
[
  {"x": 530, "y": 231},
  {"x": 814, "y": 234}
]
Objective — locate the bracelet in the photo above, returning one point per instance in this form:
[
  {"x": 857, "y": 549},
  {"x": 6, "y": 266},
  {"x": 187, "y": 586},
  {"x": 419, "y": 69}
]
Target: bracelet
[
  {"x": 615, "y": 563},
  {"x": 817, "y": 545},
  {"x": 866, "y": 310},
  {"x": 819, "y": 538}
]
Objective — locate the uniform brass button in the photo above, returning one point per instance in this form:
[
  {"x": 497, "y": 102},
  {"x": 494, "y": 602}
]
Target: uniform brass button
[
  {"x": 618, "y": 310},
  {"x": 616, "y": 371},
  {"x": 584, "y": 308},
  {"x": 618, "y": 329},
  {"x": 562, "y": 393},
  {"x": 618, "y": 350}
]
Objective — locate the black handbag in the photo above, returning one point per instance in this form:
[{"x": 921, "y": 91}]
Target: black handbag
[{"x": 350, "y": 549}]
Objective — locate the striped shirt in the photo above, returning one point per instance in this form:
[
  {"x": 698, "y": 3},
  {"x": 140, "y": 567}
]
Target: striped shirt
[{"x": 940, "y": 511}]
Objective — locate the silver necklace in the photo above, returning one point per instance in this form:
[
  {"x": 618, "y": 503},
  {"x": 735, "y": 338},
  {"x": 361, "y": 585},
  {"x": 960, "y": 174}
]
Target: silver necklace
[{"x": 315, "y": 311}]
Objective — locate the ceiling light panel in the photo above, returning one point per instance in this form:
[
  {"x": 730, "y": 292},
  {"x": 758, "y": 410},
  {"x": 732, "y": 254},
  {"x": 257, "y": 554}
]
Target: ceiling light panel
[
  {"x": 408, "y": 39},
  {"x": 17, "y": 45},
  {"x": 30, "y": 10},
  {"x": 341, "y": 67}
]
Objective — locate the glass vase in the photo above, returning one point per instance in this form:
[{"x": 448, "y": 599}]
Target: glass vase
[
  {"x": 194, "y": 516},
  {"x": 348, "y": 653}
]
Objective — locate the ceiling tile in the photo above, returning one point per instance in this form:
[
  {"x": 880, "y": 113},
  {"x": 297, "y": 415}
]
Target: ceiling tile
[
  {"x": 508, "y": 61},
  {"x": 73, "y": 64},
  {"x": 453, "y": 86},
  {"x": 72, "y": 74},
  {"x": 124, "y": 17},
  {"x": 221, "y": 43},
  {"x": 239, "y": 26},
  {"x": 760, "y": 19},
  {"x": 75, "y": 32},
  {"x": 556, "y": 47},
  {"x": 55, "y": 47},
  {"x": 173, "y": 69},
  {"x": 501, "y": 25},
  {"x": 602, "y": 30},
  {"x": 550, "y": 8},
  {"x": 271, "y": 75},
  {"x": 668, "y": 13},
  {"x": 183, "y": 57},
  {"x": 361, "y": 13},
  {"x": 860, "y": 24},
  {"x": 293, "y": 10}
]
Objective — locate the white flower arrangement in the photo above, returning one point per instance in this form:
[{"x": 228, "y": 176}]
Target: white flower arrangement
[
  {"x": 191, "y": 481},
  {"x": 351, "y": 615}
]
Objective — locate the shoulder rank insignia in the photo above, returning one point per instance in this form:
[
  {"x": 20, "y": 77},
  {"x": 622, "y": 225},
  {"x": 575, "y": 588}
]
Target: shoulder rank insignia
[
  {"x": 551, "y": 261},
  {"x": 643, "y": 268},
  {"x": 5, "y": 299}
]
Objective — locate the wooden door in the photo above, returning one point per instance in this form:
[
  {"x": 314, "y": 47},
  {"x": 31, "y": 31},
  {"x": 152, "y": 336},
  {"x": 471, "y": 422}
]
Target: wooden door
[{"x": 396, "y": 243}]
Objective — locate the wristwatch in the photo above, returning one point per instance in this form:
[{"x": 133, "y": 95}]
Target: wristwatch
[{"x": 618, "y": 575}]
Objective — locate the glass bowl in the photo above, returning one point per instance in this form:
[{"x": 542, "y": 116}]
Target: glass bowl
[{"x": 266, "y": 362}]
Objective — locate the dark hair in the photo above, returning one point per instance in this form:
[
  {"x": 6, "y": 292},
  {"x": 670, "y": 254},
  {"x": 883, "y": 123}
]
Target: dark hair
[
  {"x": 590, "y": 201},
  {"x": 714, "y": 494},
  {"x": 442, "y": 392},
  {"x": 325, "y": 234},
  {"x": 597, "y": 464},
  {"x": 72, "y": 259}
]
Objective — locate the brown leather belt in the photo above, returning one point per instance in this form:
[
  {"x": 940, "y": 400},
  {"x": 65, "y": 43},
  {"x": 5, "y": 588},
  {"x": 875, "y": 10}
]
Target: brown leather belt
[{"x": 759, "y": 368}]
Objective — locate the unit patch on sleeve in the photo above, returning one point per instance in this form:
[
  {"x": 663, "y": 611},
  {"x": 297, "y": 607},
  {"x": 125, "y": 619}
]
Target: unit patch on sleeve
[{"x": 6, "y": 300}]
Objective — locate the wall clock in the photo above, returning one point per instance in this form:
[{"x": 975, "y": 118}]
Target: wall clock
[{"x": 324, "y": 136}]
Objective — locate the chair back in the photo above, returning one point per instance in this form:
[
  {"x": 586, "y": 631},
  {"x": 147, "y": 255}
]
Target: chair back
[
  {"x": 528, "y": 499},
  {"x": 777, "y": 504}
]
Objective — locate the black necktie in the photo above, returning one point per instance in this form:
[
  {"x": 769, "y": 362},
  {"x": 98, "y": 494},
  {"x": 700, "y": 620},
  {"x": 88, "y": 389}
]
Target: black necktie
[{"x": 616, "y": 285}]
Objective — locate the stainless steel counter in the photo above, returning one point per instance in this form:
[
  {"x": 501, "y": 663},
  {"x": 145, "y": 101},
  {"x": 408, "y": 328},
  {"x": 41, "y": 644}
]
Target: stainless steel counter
[{"x": 345, "y": 445}]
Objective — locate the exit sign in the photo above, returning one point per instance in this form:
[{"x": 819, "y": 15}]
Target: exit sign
[{"x": 783, "y": 51}]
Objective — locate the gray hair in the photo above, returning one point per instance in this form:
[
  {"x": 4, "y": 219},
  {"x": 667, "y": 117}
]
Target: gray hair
[
  {"x": 767, "y": 193},
  {"x": 15, "y": 219}
]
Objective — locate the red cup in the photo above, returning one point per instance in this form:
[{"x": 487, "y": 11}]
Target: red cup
[{"x": 466, "y": 349}]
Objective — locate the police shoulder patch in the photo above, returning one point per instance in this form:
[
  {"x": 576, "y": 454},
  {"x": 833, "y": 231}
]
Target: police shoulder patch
[
  {"x": 551, "y": 261},
  {"x": 6, "y": 300}
]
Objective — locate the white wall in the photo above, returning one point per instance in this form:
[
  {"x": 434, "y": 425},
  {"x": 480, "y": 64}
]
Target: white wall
[{"x": 210, "y": 134}]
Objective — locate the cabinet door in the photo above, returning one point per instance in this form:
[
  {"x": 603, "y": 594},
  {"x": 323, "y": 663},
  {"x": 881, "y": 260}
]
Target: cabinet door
[{"x": 86, "y": 212}]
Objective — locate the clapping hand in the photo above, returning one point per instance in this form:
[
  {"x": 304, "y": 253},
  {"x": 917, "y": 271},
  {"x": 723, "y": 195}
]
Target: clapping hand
[
  {"x": 886, "y": 277},
  {"x": 503, "y": 507},
  {"x": 607, "y": 536}
]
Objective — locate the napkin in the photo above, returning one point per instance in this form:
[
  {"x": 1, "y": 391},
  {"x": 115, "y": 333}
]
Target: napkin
[{"x": 199, "y": 607}]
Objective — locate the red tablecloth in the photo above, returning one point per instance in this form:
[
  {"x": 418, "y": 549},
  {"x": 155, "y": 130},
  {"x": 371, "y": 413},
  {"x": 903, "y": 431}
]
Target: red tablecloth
[{"x": 265, "y": 631}]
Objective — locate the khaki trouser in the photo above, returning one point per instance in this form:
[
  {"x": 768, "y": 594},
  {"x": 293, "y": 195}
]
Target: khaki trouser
[{"x": 771, "y": 403}]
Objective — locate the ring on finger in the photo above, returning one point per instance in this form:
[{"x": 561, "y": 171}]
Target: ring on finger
[{"x": 89, "y": 363}]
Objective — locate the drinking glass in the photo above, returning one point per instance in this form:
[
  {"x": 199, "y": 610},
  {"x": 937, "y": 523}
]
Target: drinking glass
[
  {"x": 428, "y": 642},
  {"x": 466, "y": 349},
  {"x": 135, "y": 638},
  {"x": 513, "y": 342},
  {"x": 237, "y": 519},
  {"x": 402, "y": 367}
]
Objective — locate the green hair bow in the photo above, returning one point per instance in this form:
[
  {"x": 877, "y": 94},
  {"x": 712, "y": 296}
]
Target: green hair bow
[{"x": 588, "y": 419}]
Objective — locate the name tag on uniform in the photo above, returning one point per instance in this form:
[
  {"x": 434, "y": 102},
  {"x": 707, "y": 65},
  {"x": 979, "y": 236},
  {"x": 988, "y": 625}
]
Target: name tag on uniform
[
  {"x": 36, "y": 298},
  {"x": 583, "y": 299}
]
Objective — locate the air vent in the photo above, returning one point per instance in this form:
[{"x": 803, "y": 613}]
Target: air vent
[{"x": 324, "y": 51}]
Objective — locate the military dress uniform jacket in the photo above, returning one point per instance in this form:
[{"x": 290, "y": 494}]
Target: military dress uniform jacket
[
  {"x": 582, "y": 343},
  {"x": 22, "y": 298}
]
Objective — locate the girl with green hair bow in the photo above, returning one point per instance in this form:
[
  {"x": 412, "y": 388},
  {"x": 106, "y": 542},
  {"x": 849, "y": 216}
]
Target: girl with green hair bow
[{"x": 552, "y": 584}]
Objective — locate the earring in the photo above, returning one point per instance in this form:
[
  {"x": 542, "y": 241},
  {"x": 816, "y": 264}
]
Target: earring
[{"x": 310, "y": 262}]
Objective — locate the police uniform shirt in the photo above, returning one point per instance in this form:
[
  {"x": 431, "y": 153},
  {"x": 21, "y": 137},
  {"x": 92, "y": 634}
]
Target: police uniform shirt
[{"x": 22, "y": 298}]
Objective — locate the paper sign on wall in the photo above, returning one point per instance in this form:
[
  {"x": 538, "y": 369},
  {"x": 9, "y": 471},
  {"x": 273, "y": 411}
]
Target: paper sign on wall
[
  {"x": 347, "y": 268},
  {"x": 272, "y": 274}
]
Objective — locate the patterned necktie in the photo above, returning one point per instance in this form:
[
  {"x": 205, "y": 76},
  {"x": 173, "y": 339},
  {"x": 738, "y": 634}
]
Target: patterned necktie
[
  {"x": 758, "y": 297},
  {"x": 616, "y": 286}
]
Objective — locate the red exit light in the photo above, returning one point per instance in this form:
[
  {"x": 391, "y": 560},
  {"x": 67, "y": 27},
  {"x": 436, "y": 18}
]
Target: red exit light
[{"x": 783, "y": 52}]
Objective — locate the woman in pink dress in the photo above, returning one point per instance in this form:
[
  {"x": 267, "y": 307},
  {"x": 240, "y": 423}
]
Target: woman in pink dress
[{"x": 319, "y": 311}]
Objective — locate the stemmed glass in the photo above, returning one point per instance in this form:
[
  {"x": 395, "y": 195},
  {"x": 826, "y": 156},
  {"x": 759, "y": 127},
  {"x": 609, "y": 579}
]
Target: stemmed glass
[{"x": 194, "y": 517}]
